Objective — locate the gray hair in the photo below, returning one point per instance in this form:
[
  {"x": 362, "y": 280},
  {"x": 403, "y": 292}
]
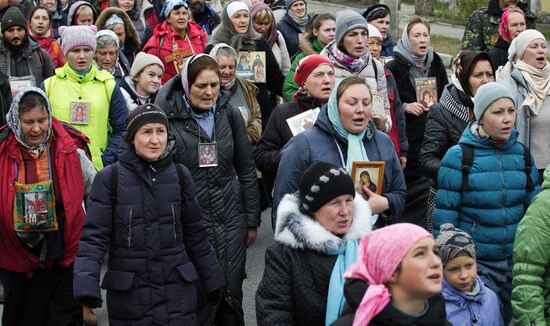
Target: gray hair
[
  {"x": 224, "y": 50},
  {"x": 106, "y": 40}
]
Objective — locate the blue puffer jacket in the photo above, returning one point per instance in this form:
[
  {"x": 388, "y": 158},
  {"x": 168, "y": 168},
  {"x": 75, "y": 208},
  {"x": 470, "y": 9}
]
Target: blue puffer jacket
[
  {"x": 319, "y": 144},
  {"x": 290, "y": 31},
  {"x": 158, "y": 247},
  {"x": 481, "y": 309},
  {"x": 496, "y": 199}
]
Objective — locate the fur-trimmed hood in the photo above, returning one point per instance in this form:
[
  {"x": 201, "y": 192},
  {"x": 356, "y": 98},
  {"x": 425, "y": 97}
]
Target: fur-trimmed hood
[
  {"x": 306, "y": 46},
  {"x": 300, "y": 231},
  {"x": 131, "y": 33}
]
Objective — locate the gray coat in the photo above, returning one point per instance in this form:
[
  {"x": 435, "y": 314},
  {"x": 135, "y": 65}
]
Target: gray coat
[{"x": 40, "y": 62}]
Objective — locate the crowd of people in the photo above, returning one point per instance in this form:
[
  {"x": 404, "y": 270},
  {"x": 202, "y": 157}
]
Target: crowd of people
[{"x": 154, "y": 133}]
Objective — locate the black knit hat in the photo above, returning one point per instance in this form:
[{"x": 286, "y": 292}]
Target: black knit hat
[
  {"x": 321, "y": 183},
  {"x": 146, "y": 113},
  {"x": 13, "y": 17}
]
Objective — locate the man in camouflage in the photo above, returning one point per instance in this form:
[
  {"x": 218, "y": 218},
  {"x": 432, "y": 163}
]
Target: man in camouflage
[{"x": 481, "y": 31}]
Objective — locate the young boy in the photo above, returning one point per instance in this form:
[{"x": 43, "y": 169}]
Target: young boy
[{"x": 466, "y": 297}]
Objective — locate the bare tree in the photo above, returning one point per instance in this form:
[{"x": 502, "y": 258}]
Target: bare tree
[{"x": 424, "y": 7}]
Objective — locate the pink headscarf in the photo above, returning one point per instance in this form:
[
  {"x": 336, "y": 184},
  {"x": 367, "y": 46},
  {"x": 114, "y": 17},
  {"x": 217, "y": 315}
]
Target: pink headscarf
[
  {"x": 504, "y": 22},
  {"x": 378, "y": 256}
]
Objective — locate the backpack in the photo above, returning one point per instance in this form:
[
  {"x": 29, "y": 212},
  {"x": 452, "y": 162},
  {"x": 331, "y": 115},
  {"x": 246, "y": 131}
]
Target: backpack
[{"x": 468, "y": 160}]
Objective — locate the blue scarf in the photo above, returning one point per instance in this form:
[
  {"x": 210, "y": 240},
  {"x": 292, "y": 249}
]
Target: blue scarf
[
  {"x": 356, "y": 149},
  {"x": 204, "y": 119},
  {"x": 347, "y": 255}
]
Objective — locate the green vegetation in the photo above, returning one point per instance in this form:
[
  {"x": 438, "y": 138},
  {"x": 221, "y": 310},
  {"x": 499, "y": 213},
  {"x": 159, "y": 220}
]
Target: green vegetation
[
  {"x": 443, "y": 44},
  {"x": 460, "y": 15}
]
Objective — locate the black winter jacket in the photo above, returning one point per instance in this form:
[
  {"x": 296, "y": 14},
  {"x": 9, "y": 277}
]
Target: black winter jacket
[
  {"x": 274, "y": 78},
  {"x": 291, "y": 33},
  {"x": 227, "y": 193},
  {"x": 444, "y": 126},
  {"x": 355, "y": 289},
  {"x": 5, "y": 98},
  {"x": 158, "y": 247},
  {"x": 400, "y": 68},
  {"x": 499, "y": 53},
  {"x": 298, "y": 265},
  {"x": 277, "y": 133}
]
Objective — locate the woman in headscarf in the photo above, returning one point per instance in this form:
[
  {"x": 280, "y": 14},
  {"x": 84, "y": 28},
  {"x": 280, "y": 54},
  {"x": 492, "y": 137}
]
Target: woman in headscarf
[
  {"x": 447, "y": 119},
  {"x": 293, "y": 24},
  {"x": 176, "y": 38},
  {"x": 350, "y": 56},
  {"x": 529, "y": 85},
  {"x": 107, "y": 55},
  {"x": 315, "y": 75},
  {"x": 379, "y": 15},
  {"x": 41, "y": 29},
  {"x": 236, "y": 31},
  {"x": 344, "y": 133},
  {"x": 315, "y": 241},
  {"x": 511, "y": 24},
  {"x": 489, "y": 201},
  {"x": 46, "y": 177},
  {"x": 212, "y": 143},
  {"x": 264, "y": 23},
  {"x": 117, "y": 20},
  {"x": 416, "y": 62},
  {"x": 319, "y": 33}
]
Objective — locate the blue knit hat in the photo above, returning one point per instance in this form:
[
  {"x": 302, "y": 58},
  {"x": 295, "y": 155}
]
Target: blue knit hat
[{"x": 486, "y": 95}]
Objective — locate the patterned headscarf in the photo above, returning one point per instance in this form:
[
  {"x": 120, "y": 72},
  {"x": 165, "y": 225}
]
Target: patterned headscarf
[{"x": 454, "y": 243}]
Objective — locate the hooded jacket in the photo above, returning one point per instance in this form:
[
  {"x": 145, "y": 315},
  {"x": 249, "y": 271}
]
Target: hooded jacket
[
  {"x": 322, "y": 143},
  {"x": 73, "y": 175},
  {"x": 132, "y": 42},
  {"x": 158, "y": 247},
  {"x": 160, "y": 45},
  {"x": 74, "y": 7},
  {"x": 31, "y": 55},
  {"x": 496, "y": 199},
  {"x": 295, "y": 283},
  {"x": 228, "y": 192},
  {"x": 531, "y": 282},
  {"x": 480, "y": 309},
  {"x": 355, "y": 289}
]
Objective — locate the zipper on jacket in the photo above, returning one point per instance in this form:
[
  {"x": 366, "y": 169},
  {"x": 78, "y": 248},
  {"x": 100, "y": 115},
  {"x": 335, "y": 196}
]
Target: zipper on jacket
[
  {"x": 130, "y": 226},
  {"x": 174, "y": 222}
]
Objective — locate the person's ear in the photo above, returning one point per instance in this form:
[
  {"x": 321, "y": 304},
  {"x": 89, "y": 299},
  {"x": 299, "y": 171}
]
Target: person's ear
[{"x": 393, "y": 278}]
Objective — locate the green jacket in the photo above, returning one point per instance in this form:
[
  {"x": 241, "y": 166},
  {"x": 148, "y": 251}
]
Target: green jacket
[
  {"x": 531, "y": 282},
  {"x": 308, "y": 46}
]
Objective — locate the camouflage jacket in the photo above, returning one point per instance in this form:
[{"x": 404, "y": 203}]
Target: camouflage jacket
[{"x": 480, "y": 30}]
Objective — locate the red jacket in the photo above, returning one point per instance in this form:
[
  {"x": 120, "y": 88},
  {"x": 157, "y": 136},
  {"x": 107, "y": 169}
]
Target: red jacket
[
  {"x": 160, "y": 45},
  {"x": 13, "y": 256},
  {"x": 53, "y": 48}
]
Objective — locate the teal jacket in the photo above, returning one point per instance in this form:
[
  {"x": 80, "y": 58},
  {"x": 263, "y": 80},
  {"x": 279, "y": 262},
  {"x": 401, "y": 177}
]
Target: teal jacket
[{"x": 531, "y": 282}]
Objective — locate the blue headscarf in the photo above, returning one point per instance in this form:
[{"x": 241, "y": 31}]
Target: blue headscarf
[{"x": 169, "y": 5}]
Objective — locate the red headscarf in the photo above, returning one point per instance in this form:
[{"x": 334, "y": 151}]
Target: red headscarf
[{"x": 305, "y": 67}]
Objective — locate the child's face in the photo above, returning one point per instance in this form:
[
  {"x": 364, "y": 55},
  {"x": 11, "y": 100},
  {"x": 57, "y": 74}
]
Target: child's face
[
  {"x": 420, "y": 275},
  {"x": 461, "y": 273}
]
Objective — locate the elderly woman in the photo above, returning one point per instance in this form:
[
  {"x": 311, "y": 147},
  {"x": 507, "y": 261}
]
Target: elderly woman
[
  {"x": 264, "y": 23},
  {"x": 293, "y": 24},
  {"x": 107, "y": 55},
  {"x": 151, "y": 276},
  {"x": 511, "y": 24},
  {"x": 212, "y": 142},
  {"x": 116, "y": 20},
  {"x": 45, "y": 177},
  {"x": 351, "y": 57},
  {"x": 237, "y": 31},
  {"x": 79, "y": 88},
  {"x": 142, "y": 85},
  {"x": 447, "y": 119},
  {"x": 176, "y": 38},
  {"x": 502, "y": 181},
  {"x": 242, "y": 92},
  {"x": 344, "y": 133},
  {"x": 315, "y": 241},
  {"x": 319, "y": 33},
  {"x": 40, "y": 28},
  {"x": 529, "y": 85},
  {"x": 379, "y": 15},
  {"x": 415, "y": 61},
  {"x": 315, "y": 75}
]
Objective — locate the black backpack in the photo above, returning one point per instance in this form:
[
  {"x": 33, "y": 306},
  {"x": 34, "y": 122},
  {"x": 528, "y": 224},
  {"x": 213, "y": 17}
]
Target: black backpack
[{"x": 468, "y": 160}]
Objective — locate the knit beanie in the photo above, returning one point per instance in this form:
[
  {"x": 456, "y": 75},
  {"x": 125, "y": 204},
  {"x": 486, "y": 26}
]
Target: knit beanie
[
  {"x": 321, "y": 183},
  {"x": 73, "y": 36},
  {"x": 375, "y": 32},
  {"x": 347, "y": 20},
  {"x": 307, "y": 65},
  {"x": 13, "y": 17},
  {"x": 146, "y": 113},
  {"x": 454, "y": 243},
  {"x": 289, "y": 3},
  {"x": 143, "y": 60},
  {"x": 374, "y": 9},
  {"x": 486, "y": 95},
  {"x": 521, "y": 42}
]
